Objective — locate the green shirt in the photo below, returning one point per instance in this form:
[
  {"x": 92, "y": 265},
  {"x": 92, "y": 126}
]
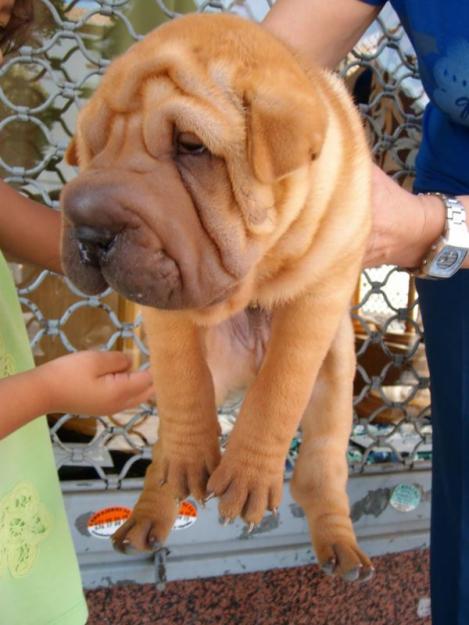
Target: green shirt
[{"x": 39, "y": 577}]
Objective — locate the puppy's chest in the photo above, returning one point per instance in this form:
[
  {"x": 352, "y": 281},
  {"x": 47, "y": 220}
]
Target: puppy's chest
[{"x": 251, "y": 329}]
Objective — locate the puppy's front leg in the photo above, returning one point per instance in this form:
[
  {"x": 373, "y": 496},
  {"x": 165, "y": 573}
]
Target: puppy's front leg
[
  {"x": 189, "y": 450},
  {"x": 249, "y": 478}
]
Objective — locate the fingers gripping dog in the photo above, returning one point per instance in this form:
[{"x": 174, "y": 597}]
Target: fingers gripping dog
[{"x": 224, "y": 187}]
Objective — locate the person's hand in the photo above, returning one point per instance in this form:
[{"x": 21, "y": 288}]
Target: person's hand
[
  {"x": 93, "y": 383},
  {"x": 404, "y": 225}
]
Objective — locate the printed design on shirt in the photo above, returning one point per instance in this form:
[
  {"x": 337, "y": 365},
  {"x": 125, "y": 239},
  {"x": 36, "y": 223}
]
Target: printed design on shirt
[
  {"x": 24, "y": 524},
  {"x": 7, "y": 362},
  {"x": 451, "y": 74}
]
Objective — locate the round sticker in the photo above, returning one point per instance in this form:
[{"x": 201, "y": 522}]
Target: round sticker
[
  {"x": 187, "y": 515},
  {"x": 406, "y": 497},
  {"x": 105, "y": 522}
]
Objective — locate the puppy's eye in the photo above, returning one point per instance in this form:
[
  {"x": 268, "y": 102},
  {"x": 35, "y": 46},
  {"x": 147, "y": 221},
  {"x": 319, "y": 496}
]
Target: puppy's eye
[{"x": 188, "y": 143}]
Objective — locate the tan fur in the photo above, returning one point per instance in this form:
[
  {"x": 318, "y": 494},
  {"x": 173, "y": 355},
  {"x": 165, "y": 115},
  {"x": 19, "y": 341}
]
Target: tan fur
[{"x": 282, "y": 216}]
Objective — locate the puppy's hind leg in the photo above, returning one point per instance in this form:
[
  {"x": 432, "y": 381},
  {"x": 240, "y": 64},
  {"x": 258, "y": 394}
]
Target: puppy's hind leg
[{"x": 321, "y": 471}]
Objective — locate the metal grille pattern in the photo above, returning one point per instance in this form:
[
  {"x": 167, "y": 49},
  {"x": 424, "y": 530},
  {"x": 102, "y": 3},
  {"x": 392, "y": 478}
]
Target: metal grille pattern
[{"x": 41, "y": 90}]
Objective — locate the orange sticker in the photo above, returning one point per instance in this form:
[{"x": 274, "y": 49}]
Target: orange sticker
[
  {"x": 105, "y": 522},
  {"x": 187, "y": 515}
]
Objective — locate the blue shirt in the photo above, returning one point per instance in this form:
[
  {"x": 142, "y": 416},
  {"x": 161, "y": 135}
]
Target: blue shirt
[{"x": 439, "y": 32}]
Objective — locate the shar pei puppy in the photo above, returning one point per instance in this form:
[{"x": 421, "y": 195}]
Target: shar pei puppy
[{"x": 225, "y": 187}]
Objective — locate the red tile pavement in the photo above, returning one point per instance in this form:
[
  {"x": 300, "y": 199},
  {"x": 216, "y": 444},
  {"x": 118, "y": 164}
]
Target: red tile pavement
[{"x": 296, "y": 596}]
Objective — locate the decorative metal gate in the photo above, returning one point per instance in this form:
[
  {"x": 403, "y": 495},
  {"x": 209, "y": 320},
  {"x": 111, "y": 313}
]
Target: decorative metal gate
[{"x": 101, "y": 461}]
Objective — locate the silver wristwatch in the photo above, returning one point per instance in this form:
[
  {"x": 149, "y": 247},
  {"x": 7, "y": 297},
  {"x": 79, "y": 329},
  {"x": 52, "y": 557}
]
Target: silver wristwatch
[{"x": 448, "y": 252}]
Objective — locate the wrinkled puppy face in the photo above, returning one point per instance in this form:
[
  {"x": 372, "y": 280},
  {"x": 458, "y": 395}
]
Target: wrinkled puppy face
[{"x": 185, "y": 154}]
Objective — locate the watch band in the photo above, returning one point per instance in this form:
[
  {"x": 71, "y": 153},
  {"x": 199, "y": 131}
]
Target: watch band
[
  {"x": 454, "y": 242},
  {"x": 455, "y": 212}
]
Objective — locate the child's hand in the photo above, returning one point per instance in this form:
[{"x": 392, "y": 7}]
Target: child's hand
[{"x": 93, "y": 383}]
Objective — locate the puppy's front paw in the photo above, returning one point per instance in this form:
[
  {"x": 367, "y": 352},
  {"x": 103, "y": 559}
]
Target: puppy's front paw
[
  {"x": 186, "y": 466},
  {"x": 247, "y": 484},
  {"x": 151, "y": 520}
]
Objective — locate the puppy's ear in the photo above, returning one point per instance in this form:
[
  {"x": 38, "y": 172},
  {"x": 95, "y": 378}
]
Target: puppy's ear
[
  {"x": 284, "y": 133},
  {"x": 71, "y": 153}
]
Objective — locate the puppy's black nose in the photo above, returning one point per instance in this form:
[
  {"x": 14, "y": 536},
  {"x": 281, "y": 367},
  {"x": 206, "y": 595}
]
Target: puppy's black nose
[
  {"x": 93, "y": 243},
  {"x": 101, "y": 237}
]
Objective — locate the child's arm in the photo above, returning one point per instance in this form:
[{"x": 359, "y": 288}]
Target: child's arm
[
  {"x": 29, "y": 231},
  {"x": 91, "y": 383}
]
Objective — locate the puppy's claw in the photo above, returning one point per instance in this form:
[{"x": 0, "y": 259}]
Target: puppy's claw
[
  {"x": 162, "y": 482},
  {"x": 251, "y": 527},
  {"x": 367, "y": 573},
  {"x": 226, "y": 521},
  {"x": 154, "y": 544},
  {"x": 125, "y": 547},
  {"x": 119, "y": 547},
  {"x": 329, "y": 567},
  {"x": 353, "y": 574},
  {"x": 275, "y": 512},
  {"x": 208, "y": 497}
]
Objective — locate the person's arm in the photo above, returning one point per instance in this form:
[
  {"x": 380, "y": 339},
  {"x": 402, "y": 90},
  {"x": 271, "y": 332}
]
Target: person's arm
[
  {"x": 323, "y": 31},
  {"x": 29, "y": 231},
  {"x": 91, "y": 383},
  {"x": 404, "y": 225}
]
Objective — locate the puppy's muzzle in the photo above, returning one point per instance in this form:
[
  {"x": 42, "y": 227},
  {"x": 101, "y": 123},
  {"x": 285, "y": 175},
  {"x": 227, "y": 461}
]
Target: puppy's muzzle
[
  {"x": 103, "y": 238},
  {"x": 95, "y": 212},
  {"x": 143, "y": 237}
]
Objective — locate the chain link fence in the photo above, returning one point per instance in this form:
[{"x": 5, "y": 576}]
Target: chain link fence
[{"x": 42, "y": 88}]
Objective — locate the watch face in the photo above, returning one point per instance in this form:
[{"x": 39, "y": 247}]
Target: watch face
[
  {"x": 447, "y": 262},
  {"x": 448, "y": 258}
]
